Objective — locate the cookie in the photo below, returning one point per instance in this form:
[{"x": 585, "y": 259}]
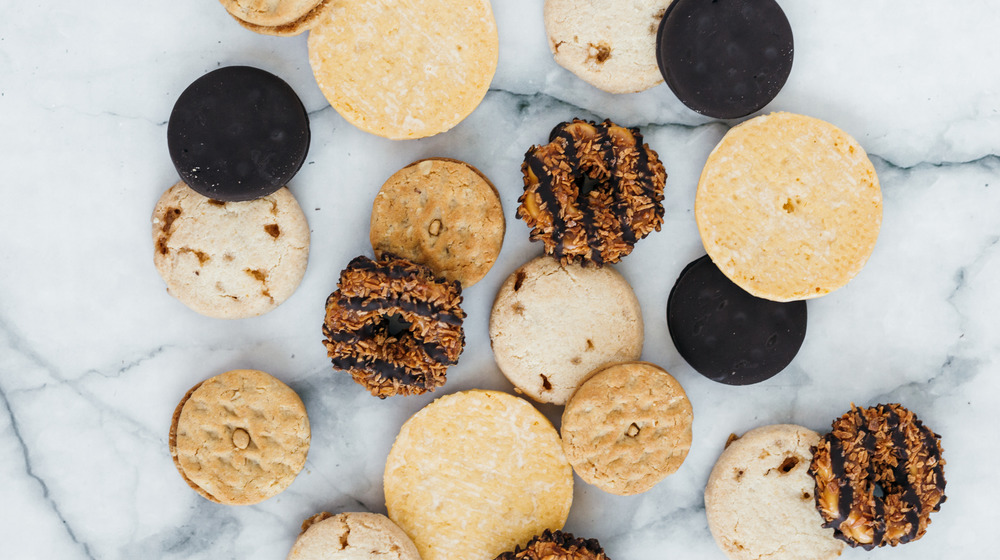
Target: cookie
[
  {"x": 728, "y": 335},
  {"x": 627, "y": 427},
  {"x": 788, "y": 207},
  {"x": 404, "y": 69},
  {"x": 229, "y": 259},
  {"x": 476, "y": 473},
  {"x": 551, "y": 325},
  {"x": 610, "y": 45},
  {"x": 283, "y": 18},
  {"x": 441, "y": 213},
  {"x": 352, "y": 536},
  {"x": 240, "y": 437},
  {"x": 725, "y": 59},
  {"x": 759, "y": 498},
  {"x": 557, "y": 545},
  {"x": 238, "y": 133}
]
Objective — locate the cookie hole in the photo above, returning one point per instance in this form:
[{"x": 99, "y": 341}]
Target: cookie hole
[
  {"x": 273, "y": 230},
  {"x": 878, "y": 491},
  {"x": 197, "y": 273},
  {"x": 788, "y": 464},
  {"x": 214, "y": 202},
  {"x": 395, "y": 325},
  {"x": 633, "y": 430},
  {"x": 739, "y": 475},
  {"x": 806, "y": 496},
  {"x": 519, "y": 280},
  {"x": 599, "y": 52},
  {"x": 545, "y": 383},
  {"x": 590, "y": 345},
  {"x": 586, "y": 183}
]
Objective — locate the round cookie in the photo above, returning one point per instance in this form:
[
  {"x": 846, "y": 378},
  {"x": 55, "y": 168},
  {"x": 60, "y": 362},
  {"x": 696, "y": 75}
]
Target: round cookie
[
  {"x": 728, "y": 335},
  {"x": 627, "y": 427},
  {"x": 441, "y": 213},
  {"x": 759, "y": 498},
  {"x": 240, "y": 437},
  {"x": 552, "y": 325},
  {"x": 557, "y": 545},
  {"x": 725, "y": 59},
  {"x": 238, "y": 133},
  {"x": 352, "y": 536},
  {"x": 788, "y": 207},
  {"x": 230, "y": 260},
  {"x": 405, "y": 69},
  {"x": 476, "y": 473},
  {"x": 283, "y": 18},
  {"x": 610, "y": 45}
]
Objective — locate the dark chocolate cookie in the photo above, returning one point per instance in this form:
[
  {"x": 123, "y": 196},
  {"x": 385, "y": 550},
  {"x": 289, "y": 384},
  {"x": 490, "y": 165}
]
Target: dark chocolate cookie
[
  {"x": 728, "y": 335},
  {"x": 238, "y": 133},
  {"x": 725, "y": 58}
]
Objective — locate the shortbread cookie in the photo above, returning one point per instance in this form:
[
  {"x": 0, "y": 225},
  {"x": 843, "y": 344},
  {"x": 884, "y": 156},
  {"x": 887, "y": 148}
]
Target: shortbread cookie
[
  {"x": 610, "y": 45},
  {"x": 230, "y": 259},
  {"x": 404, "y": 69},
  {"x": 556, "y": 545},
  {"x": 759, "y": 498},
  {"x": 627, "y": 427},
  {"x": 276, "y": 17},
  {"x": 788, "y": 207},
  {"x": 240, "y": 437},
  {"x": 352, "y": 536},
  {"x": 476, "y": 473},
  {"x": 551, "y": 325},
  {"x": 441, "y": 213}
]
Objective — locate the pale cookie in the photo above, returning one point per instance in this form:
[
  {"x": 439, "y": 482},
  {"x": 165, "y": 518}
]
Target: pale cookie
[
  {"x": 610, "y": 45},
  {"x": 404, "y": 69},
  {"x": 276, "y": 17},
  {"x": 552, "y": 325},
  {"x": 230, "y": 259},
  {"x": 627, "y": 427},
  {"x": 240, "y": 437},
  {"x": 352, "y": 536},
  {"x": 759, "y": 498},
  {"x": 476, "y": 473},
  {"x": 441, "y": 213},
  {"x": 788, "y": 207}
]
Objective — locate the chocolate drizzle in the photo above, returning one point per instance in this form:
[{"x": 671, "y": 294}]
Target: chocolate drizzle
[{"x": 557, "y": 545}]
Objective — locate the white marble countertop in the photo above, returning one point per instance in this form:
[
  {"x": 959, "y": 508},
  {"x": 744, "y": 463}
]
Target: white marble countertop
[{"x": 94, "y": 355}]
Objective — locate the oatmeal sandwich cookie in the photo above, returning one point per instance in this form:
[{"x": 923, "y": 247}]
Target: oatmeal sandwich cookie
[{"x": 352, "y": 536}]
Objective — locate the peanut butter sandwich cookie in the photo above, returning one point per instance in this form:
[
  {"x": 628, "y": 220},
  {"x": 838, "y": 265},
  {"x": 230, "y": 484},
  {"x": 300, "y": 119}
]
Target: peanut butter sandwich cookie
[
  {"x": 405, "y": 69},
  {"x": 476, "y": 473},
  {"x": 230, "y": 260},
  {"x": 442, "y": 213},
  {"x": 788, "y": 207},
  {"x": 627, "y": 427},
  {"x": 276, "y": 17},
  {"x": 240, "y": 437},
  {"x": 352, "y": 536},
  {"x": 553, "y": 324}
]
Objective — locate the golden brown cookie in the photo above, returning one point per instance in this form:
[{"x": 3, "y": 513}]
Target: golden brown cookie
[
  {"x": 441, "y": 213},
  {"x": 276, "y": 17},
  {"x": 476, "y": 473},
  {"x": 788, "y": 207},
  {"x": 404, "y": 69},
  {"x": 627, "y": 427},
  {"x": 240, "y": 437},
  {"x": 352, "y": 536}
]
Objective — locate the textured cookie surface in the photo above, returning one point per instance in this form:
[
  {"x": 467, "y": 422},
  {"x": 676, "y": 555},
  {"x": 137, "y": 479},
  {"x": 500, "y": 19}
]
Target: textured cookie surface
[
  {"x": 552, "y": 325},
  {"x": 627, "y": 427},
  {"x": 230, "y": 259},
  {"x": 788, "y": 207},
  {"x": 275, "y": 17},
  {"x": 404, "y": 69},
  {"x": 476, "y": 473},
  {"x": 557, "y": 545},
  {"x": 352, "y": 536},
  {"x": 759, "y": 498},
  {"x": 240, "y": 437},
  {"x": 441, "y": 213},
  {"x": 610, "y": 45}
]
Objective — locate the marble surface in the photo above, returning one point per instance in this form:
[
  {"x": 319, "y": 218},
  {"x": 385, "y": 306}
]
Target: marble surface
[{"x": 94, "y": 355}]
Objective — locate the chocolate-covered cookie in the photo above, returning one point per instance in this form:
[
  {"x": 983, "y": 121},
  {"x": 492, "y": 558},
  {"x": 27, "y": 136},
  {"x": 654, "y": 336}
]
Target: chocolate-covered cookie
[
  {"x": 728, "y": 335},
  {"x": 238, "y": 133},
  {"x": 726, "y": 58}
]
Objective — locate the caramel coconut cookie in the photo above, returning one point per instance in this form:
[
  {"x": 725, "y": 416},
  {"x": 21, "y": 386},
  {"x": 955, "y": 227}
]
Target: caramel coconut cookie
[
  {"x": 551, "y": 325},
  {"x": 404, "y": 69},
  {"x": 410, "y": 357},
  {"x": 276, "y": 17},
  {"x": 610, "y": 45},
  {"x": 592, "y": 192},
  {"x": 476, "y": 473},
  {"x": 627, "y": 427},
  {"x": 879, "y": 475},
  {"x": 788, "y": 207},
  {"x": 759, "y": 498},
  {"x": 230, "y": 259},
  {"x": 557, "y": 545},
  {"x": 352, "y": 536},
  {"x": 442, "y": 213},
  {"x": 240, "y": 437}
]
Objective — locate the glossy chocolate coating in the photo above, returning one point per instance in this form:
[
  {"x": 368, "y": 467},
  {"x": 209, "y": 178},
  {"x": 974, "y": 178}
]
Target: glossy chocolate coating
[
  {"x": 238, "y": 133},
  {"x": 728, "y": 335},
  {"x": 724, "y": 58}
]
